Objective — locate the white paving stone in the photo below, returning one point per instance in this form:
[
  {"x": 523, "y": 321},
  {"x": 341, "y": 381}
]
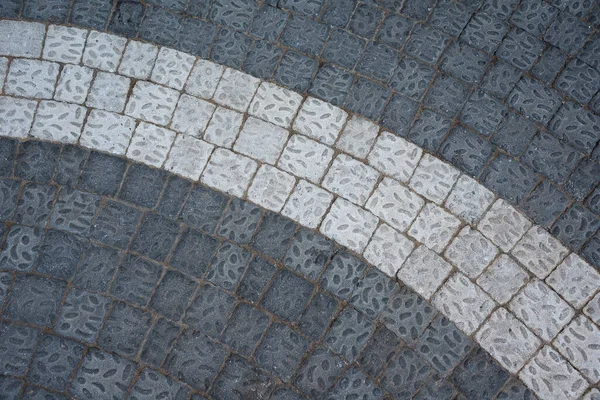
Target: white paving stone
[
  {"x": 508, "y": 340},
  {"x": 358, "y": 137},
  {"x": 551, "y": 377},
  {"x": 107, "y": 131},
  {"x": 204, "y": 79},
  {"x": 307, "y": 204},
  {"x": 395, "y": 204},
  {"x": 152, "y": 103},
  {"x": 192, "y": 115},
  {"x": 541, "y": 309},
  {"x": 424, "y": 271},
  {"x": 275, "y": 104},
  {"x": 579, "y": 343},
  {"x": 320, "y": 120},
  {"x": 433, "y": 178},
  {"x": 575, "y": 280},
  {"x": 150, "y": 144},
  {"x": 434, "y": 227},
  {"x": 469, "y": 199},
  {"x": 31, "y": 78},
  {"x": 395, "y": 156},
  {"x": 388, "y": 249},
  {"x": 224, "y": 127},
  {"x": 463, "y": 302},
  {"x": 271, "y": 188},
  {"x": 21, "y": 39},
  {"x": 592, "y": 309},
  {"x": 3, "y": 71},
  {"x": 471, "y": 252},
  {"x": 261, "y": 140},
  {"x": 503, "y": 225},
  {"x": 74, "y": 84},
  {"x": 503, "y": 279},
  {"x": 349, "y": 225},
  {"x": 64, "y": 44},
  {"x": 229, "y": 172},
  {"x": 188, "y": 156},
  {"x": 103, "y": 51},
  {"x": 305, "y": 158},
  {"x": 236, "y": 89},
  {"x": 351, "y": 179},
  {"x": 539, "y": 251},
  {"x": 138, "y": 60},
  {"x": 109, "y": 92},
  {"x": 58, "y": 122},
  {"x": 16, "y": 116},
  {"x": 172, "y": 68}
]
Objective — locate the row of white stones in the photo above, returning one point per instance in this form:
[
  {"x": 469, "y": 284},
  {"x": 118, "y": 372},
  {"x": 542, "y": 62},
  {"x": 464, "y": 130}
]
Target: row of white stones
[{"x": 509, "y": 284}]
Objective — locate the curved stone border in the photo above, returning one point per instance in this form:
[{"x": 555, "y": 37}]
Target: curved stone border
[{"x": 405, "y": 211}]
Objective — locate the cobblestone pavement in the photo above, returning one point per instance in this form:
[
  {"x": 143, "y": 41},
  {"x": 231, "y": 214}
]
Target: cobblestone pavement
[
  {"x": 504, "y": 282},
  {"x": 505, "y": 90}
]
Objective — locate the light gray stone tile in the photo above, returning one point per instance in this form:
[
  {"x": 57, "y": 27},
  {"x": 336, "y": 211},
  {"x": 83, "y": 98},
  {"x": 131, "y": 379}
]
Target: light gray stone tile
[
  {"x": 271, "y": 188},
  {"x": 349, "y": 225},
  {"x": 433, "y": 179},
  {"x": 424, "y": 271},
  {"x": 261, "y": 140},
  {"x": 434, "y": 227},
  {"x": 150, "y": 144},
  {"x": 592, "y": 309},
  {"x": 305, "y": 158},
  {"x": 539, "y": 251},
  {"x": 468, "y": 200},
  {"x": 188, "y": 157},
  {"x": 395, "y": 204},
  {"x": 224, "y": 127},
  {"x": 192, "y": 115},
  {"x": 503, "y": 279},
  {"x": 109, "y": 92},
  {"x": 578, "y": 343},
  {"x": 394, "y": 156},
  {"x": 236, "y": 89},
  {"x": 204, "y": 79},
  {"x": 307, "y": 204},
  {"x": 388, "y": 249},
  {"x": 229, "y": 172},
  {"x": 471, "y": 252},
  {"x": 575, "y": 280},
  {"x": 16, "y": 116},
  {"x": 107, "y": 131},
  {"x": 64, "y": 44},
  {"x": 21, "y": 39},
  {"x": 357, "y": 137},
  {"x": 103, "y": 51},
  {"x": 58, "y": 122},
  {"x": 320, "y": 120},
  {"x": 152, "y": 103},
  {"x": 74, "y": 84},
  {"x": 275, "y": 104},
  {"x": 172, "y": 68},
  {"x": 31, "y": 78},
  {"x": 503, "y": 225},
  {"x": 138, "y": 60},
  {"x": 351, "y": 179}
]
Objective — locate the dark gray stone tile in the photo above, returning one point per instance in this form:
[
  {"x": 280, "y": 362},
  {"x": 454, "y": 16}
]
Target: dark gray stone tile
[
  {"x": 479, "y": 376},
  {"x": 449, "y": 17},
  {"x": 34, "y": 393},
  {"x": 435, "y": 387},
  {"x": 161, "y": 338},
  {"x": 483, "y": 113},
  {"x": 545, "y": 204},
  {"x": 210, "y": 310},
  {"x": 281, "y": 351},
  {"x": 514, "y": 133},
  {"x": 443, "y": 345},
  {"x": 411, "y": 78},
  {"x": 338, "y": 12},
  {"x": 35, "y": 203},
  {"x": 379, "y": 350},
  {"x": 199, "y": 8},
  {"x": 11, "y": 9},
  {"x": 90, "y": 13},
  {"x": 522, "y": 180},
  {"x": 54, "y": 362},
  {"x": 567, "y": 33},
  {"x": 365, "y": 20},
  {"x": 520, "y": 48},
  {"x": 595, "y": 103},
  {"x": 308, "y": 253},
  {"x": 17, "y": 344},
  {"x": 514, "y": 389},
  {"x": 578, "y": 8},
  {"x": 124, "y": 330},
  {"x": 239, "y": 221},
  {"x": 429, "y": 129},
  {"x": 550, "y": 64},
  {"x": 305, "y": 35},
  {"x": 60, "y": 254},
  {"x": 399, "y": 114},
  {"x": 255, "y": 279},
  {"x": 394, "y": 31},
  {"x": 466, "y": 150},
  {"x": 500, "y": 79},
  {"x": 295, "y": 71},
  {"x": 343, "y": 48},
  {"x": 8, "y": 149},
  {"x": 354, "y": 384},
  {"x": 142, "y": 185},
  {"x": 102, "y": 174},
  {"x": 309, "y": 8},
  {"x": 34, "y": 300},
  {"x": 590, "y": 51},
  {"x": 74, "y": 211},
  {"x": 160, "y": 26},
  {"x": 367, "y": 98},
  {"x": 241, "y": 379},
  {"x": 235, "y": 14},
  {"x": 332, "y": 84},
  {"x": 318, "y": 372},
  {"x": 274, "y": 234},
  {"x": 153, "y": 385},
  {"x": 373, "y": 292},
  {"x": 484, "y": 32},
  {"x": 535, "y": 100},
  {"x": 534, "y": 16},
  {"x": 37, "y": 161},
  {"x": 245, "y": 329},
  {"x": 575, "y": 226},
  {"x": 195, "y": 359},
  {"x": 155, "y": 237},
  {"x": 230, "y": 48},
  {"x": 405, "y": 374},
  {"x": 102, "y": 375},
  {"x": 551, "y": 157},
  {"x": 268, "y": 23},
  {"x": 417, "y": 9},
  {"x": 204, "y": 208},
  {"x": 447, "y": 95},
  {"x": 579, "y": 81},
  {"x": 349, "y": 333},
  {"x": 499, "y": 9},
  {"x": 172, "y": 295},
  {"x": 21, "y": 247},
  {"x": 195, "y": 37},
  {"x": 126, "y": 18},
  {"x": 82, "y": 315},
  {"x": 287, "y": 295},
  {"x": 342, "y": 275},
  {"x": 115, "y": 225},
  {"x": 173, "y": 197},
  {"x": 286, "y": 393},
  {"x": 228, "y": 266},
  {"x": 407, "y": 315},
  {"x": 193, "y": 252},
  {"x": 262, "y": 59},
  {"x": 594, "y": 201},
  {"x": 318, "y": 315},
  {"x": 5, "y": 283},
  {"x": 591, "y": 251},
  {"x": 136, "y": 279},
  {"x": 464, "y": 62},
  {"x": 72, "y": 160},
  {"x": 426, "y": 44}
]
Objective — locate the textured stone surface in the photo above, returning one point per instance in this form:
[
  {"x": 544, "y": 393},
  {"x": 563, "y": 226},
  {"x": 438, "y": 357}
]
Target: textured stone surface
[
  {"x": 349, "y": 225},
  {"x": 434, "y": 227},
  {"x": 350, "y": 179},
  {"x": 424, "y": 271},
  {"x": 395, "y": 204}
]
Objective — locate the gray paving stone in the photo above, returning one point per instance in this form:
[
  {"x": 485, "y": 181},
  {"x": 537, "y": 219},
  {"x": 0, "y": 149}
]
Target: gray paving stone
[
  {"x": 274, "y": 235},
  {"x": 479, "y": 376},
  {"x": 262, "y": 59},
  {"x": 152, "y": 385},
  {"x": 426, "y": 44},
  {"x": 399, "y": 114},
  {"x": 450, "y": 17},
  {"x": 236, "y": 14},
  {"x": 367, "y": 98},
  {"x": 155, "y": 237},
  {"x": 318, "y": 372},
  {"x": 281, "y": 351},
  {"x": 379, "y": 350},
  {"x": 483, "y": 113},
  {"x": 268, "y": 23},
  {"x": 514, "y": 389},
  {"x": 90, "y": 13},
  {"x": 406, "y": 372},
  {"x": 34, "y": 393},
  {"x": 158, "y": 343},
  {"x": 579, "y": 81},
  {"x": 239, "y": 378},
  {"x": 464, "y": 62},
  {"x": 52, "y": 11},
  {"x": 343, "y": 274},
  {"x": 535, "y": 100},
  {"x": 230, "y": 48},
  {"x": 514, "y": 133},
  {"x": 295, "y": 71},
  {"x": 332, "y": 84},
  {"x": 594, "y": 201},
  {"x": 484, "y": 32},
  {"x": 195, "y": 37},
  {"x": 124, "y": 330},
  {"x": 17, "y": 345},
  {"x": 534, "y": 16},
  {"x": 126, "y": 19},
  {"x": 308, "y": 253},
  {"x": 36, "y": 161},
  {"x": 115, "y": 225},
  {"x": 550, "y": 64},
  {"x": 436, "y": 387},
  {"x": 343, "y": 48},
  {"x": 305, "y": 35},
  {"x": 72, "y": 160},
  {"x": 575, "y": 226},
  {"x": 102, "y": 174},
  {"x": 172, "y": 295},
  {"x": 550, "y": 157},
  {"x": 520, "y": 48},
  {"x": 500, "y": 79},
  {"x": 466, "y": 150},
  {"x": 174, "y": 195},
  {"x": 513, "y": 190},
  {"x": 318, "y": 315},
  {"x": 365, "y": 20},
  {"x": 245, "y": 329},
  {"x": 349, "y": 333},
  {"x": 417, "y": 9},
  {"x": 142, "y": 185},
  {"x": 82, "y": 315},
  {"x": 228, "y": 266},
  {"x": 411, "y": 78},
  {"x": 54, "y": 362},
  {"x": 446, "y": 95},
  {"x": 255, "y": 279},
  {"x": 135, "y": 280},
  {"x": 8, "y": 149},
  {"x": 373, "y": 292},
  {"x": 429, "y": 129},
  {"x": 239, "y": 221},
  {"x": 210, "y": 310},
  {"x": 591, "y": 251},
  {"x": 545, "y": 204},
  {"x": 60, "y": 254},
  {"x": 355, "y": 384},
  {"x": 567, "y": 33},
  {"x": 34, "y": 300},
  {"x": 338, "y": 12},
  {"x": 21, "y": 247},
  {"x": 589, "y": 52},
  {"x": 159, "y": 26},
  {"x": 287, "y": 295},
  {"x": 204, "y": 208},
  {"x": 5, "y": 283},
  {"x": 11, "y": 8},
  {"x": 34, "y": 205},
  {"x": 499, "y": 9},
  {"x": 309, "y": 8},
  {"x": 394, "y": 31}
]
